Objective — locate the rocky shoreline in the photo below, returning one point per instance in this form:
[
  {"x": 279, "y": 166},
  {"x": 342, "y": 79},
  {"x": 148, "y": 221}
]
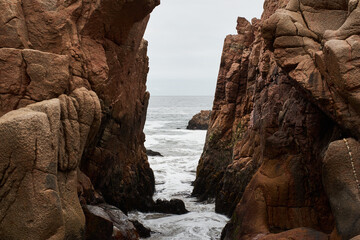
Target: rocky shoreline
[{"x": 282, "y": 149}]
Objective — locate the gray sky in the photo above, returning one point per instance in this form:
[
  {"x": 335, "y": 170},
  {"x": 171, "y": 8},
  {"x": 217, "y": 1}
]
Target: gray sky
[{"x": 185, "y": 43}]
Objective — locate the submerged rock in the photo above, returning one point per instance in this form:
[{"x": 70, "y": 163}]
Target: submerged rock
[
  {"x": 152, "y": 153},
  {"x": 174, "y": 206},
  {"x": 200, "y": 121}
]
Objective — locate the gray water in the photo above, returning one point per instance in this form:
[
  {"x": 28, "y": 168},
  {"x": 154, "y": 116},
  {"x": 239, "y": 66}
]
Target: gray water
[{"x": 166, "y": 133}]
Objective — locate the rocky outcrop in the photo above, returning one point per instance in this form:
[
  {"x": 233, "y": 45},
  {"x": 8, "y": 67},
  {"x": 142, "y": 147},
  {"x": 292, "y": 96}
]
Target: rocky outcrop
[
  {"x": 55, "y": 47},
  {"x": 41, "y": 147},
  {"x": 71, "y": 64},
  {"x": 200, "y": 121},
  {"x": 286, "y": 92}
]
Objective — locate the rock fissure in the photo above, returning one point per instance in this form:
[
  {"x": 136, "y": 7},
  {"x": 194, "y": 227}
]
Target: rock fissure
[{"x": 352, "y": 165}]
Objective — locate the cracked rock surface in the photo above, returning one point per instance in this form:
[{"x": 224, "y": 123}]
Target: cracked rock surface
[
  {"x": 75, "y": 73},
  {"x": 274, "y": 157},
  {"x": 40, "y": 152}
]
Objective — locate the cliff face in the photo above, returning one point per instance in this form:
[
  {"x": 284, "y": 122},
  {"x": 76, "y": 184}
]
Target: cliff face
[
  {"x": 50, "y": 50},
  {"x": 285, "y": 99}
]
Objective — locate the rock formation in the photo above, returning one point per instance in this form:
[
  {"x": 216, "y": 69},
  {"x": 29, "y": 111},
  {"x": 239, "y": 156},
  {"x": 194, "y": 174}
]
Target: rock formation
[
  {"x": 200, "y": 121},
  {"x": 41, "y": 147},
  {"x": 79, "y": 68},
  {"x": 275, "y": 159}
]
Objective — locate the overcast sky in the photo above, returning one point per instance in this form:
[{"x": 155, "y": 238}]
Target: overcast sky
[{"x": 185, "y": 43}]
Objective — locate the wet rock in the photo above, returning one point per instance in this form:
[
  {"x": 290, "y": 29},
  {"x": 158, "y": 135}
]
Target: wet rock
[
  {"x": 174, "y": 206},
  {"x": 143, "y": 231},
  {"x": 152, "y": 153},
  {"x": 104, "y": 221},
  {"x": 200, "y": 121}
]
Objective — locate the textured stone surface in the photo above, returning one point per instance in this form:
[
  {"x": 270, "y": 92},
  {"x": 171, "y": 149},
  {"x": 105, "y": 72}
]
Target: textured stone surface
[
  {"x": 58, "y": 49},
  {"x": 286, "y": 90},
  {"x": 108, "y": 222},
  {"x": 49, "y": 48},
  {"x": 340, "y": 184},
  {"x": 200, "y": 121},
  {"x": 38, "y": 177}
]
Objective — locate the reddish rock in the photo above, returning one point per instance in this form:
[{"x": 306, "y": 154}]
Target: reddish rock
[
  {"x": 218, "y": 147},
  {"x": 41, "y": 147},
  {"x": 200, "y": 121},
  {"x": 281, "y": 100},
  {"x": 50, "y": 50},
  {"x": 340, "y": 175}
]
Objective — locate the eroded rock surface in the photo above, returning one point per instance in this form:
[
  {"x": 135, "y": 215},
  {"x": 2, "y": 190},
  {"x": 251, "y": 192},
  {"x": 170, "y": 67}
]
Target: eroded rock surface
[
  {"x": 71, "y": 64},
  {"x": 49, "y": 48},
  {"x": 286, "y": 92},
  {"x": 41, "y": 148}
]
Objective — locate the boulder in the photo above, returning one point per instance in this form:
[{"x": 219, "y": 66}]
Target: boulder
[
  {"x": 41, "y": 148},
  {"x": 200, "y": 121},
  {"x": 104, "y": 221},
  {"x": 174, "y": 206}
]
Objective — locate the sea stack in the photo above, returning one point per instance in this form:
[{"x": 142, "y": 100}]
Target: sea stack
[{"x": 200, "y": 121}]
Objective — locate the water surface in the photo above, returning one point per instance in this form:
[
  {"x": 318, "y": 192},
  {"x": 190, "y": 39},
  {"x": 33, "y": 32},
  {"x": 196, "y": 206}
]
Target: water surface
[{"x": 166, "y": 133}]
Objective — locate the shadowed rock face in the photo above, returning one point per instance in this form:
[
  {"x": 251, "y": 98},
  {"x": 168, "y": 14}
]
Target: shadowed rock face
[
  {"x": 49, "y": 50},
  {"x": 286, "y": 90}
]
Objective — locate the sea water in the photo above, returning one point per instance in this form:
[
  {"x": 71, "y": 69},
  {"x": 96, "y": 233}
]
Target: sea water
[{"x": 166, "y": 133}]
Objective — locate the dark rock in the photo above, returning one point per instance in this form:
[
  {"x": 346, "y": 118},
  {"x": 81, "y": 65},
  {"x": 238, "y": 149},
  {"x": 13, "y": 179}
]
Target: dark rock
[
  {"x": 200, "y": 121},
  {"x": 98, "y": 224},
  {"x": 143, "y": 231},
  {"x": 174, "y": 206},
  {"x": 86, "y": 192},
  {"x": 152, "y": 153},
  {"x": 104, "y": 221}
]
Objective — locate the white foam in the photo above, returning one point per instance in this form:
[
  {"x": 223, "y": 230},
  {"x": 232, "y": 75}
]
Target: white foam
[{"x": 174, "y": 174}]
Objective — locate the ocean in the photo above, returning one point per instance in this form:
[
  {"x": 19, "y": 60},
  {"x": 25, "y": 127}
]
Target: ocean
[{"x": 165, "y": 130}]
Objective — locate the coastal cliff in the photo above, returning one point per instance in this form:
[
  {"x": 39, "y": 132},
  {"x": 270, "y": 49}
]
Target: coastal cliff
[
  {"x": 73, "y": 105},
  {"x": 281, "y": 152}
]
